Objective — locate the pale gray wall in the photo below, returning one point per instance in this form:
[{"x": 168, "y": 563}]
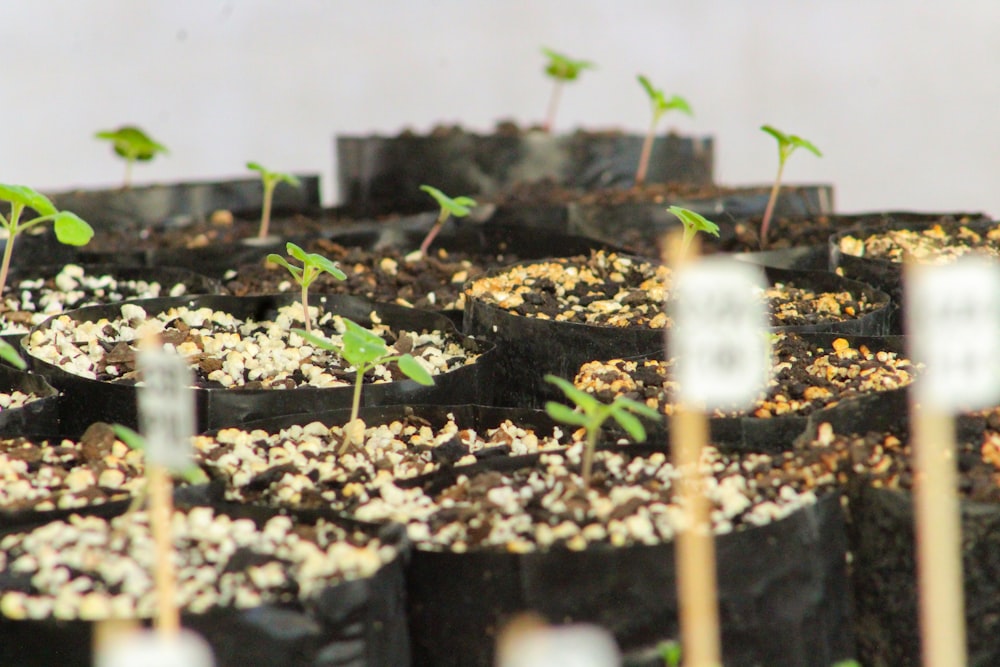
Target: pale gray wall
[{"x": 899, "y": 94}]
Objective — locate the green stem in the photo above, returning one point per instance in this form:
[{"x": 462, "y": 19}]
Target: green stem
[
  {"x": 647, "y": 149},
  {"x": 128, "y": 173},
  {"x": 769, "y": 211},
  {"x": 8, "y": 250},
  {"x": 305, "y": 305},
  {"x": 425, "y": 246},
  {"x": 355, "y": 408},
  {"x": 550, "y": 117},
  {"x": 588, "y": 455},
  {"x": 265, "y": 213}
]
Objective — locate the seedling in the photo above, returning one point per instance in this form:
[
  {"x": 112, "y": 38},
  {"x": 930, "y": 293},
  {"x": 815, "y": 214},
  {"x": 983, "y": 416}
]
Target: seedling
[
  {"x": 693, "y": 223},
  {"x": 562, "y": 69},
  {"x": 132, "y": 144},
  {"x": 787, "y": 143},
  {"x": 313, "y": 265},
  {"x": 364, "y": 350},
  {"x": 591, "y": 415},
  {"x": 270, "y": 179},
  {"x": 70, "y": 229},
  {"x": 660, "y": 105},
  {"x": 458, "y": 207},
  {"x": 670, "y": 653}
]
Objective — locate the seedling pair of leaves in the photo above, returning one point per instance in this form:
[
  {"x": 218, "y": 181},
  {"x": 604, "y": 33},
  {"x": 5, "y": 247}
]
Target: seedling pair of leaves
[
  {"x": 270, "y": 180},
  {"x": 561, "y": 69},
  {"x": 132, "y": 144},
  {"x": 458, "y": 207},
  {"x": 787, "y": 144},
  {"x": 365, "y": 350},
  {"x": 591, "y": 414},
  {"x": 693, "y": 223},
  {"x": 660, "y": 106},
  {"x": 313, "y": 265},
  {"x": 70, "y": 228}
]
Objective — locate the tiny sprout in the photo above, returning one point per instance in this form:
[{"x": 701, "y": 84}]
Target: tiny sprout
[
  {"x": 458, "y": 207},
  {"x": 133, "y": 144},
  {"x": 70, "y": 229},
  {"x": 562, "y": 69},
  {"x": 313, "y": 265},
  {"x": 693, "y": 223},
  {"x": 593, "y": 413},
  {"x": 660, "y": 105},
  {"x": 670, "y": 653},
  {"x": 364, "y": 350},
  {"x": 787, "y": 143},
  {"x": 9, "y": 354},
  {"x": 135, "y": 440},
  {"x": 270, "y": 179}
]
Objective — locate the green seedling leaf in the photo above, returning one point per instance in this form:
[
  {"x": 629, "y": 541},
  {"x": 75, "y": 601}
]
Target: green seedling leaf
[
  {"x": 631, "y": 424},
  {"x": 134, "y": 440},
  {"x": 563, "y": 413},
  {"x": 787, "y": 144},
  {"x": 413, "y": 370},
  {"x": 670, "y": 653},
  {"x": 71, "y": 229},
  {"x": 132, "y": 143},
  {"x": 22, "y": 195},
  {"x": 296, "y": 252},
  {"x": 267, "y": 175},
  {"x": 9, "y": 354},
  {"x": 564, "y": 68},
  {"x": 281, "y": 261},
  {"x": 693, "y": 223}
]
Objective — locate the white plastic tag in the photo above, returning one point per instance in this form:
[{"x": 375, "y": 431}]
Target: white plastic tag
[
  {"x": 151, "y": 649},
  {"x": 718, "y": 336},
  {"x": 579, "y": 645},
  {"x": 953, "y": 318},
  {"x": 166, "y": 408}
]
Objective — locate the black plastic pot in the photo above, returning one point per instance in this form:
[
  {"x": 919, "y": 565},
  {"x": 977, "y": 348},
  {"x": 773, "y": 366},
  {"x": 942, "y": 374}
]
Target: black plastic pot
[
  {"x": 358, "y": 623},
  {"x": 145, "y": 205},
  {"x": 640, "y": 226},
  {"x": 884, "y": 274},
  {"x": 783, "y": 592},
  {"x": 379, "y": 175},
  {"x": 38, "y": 416},
  {"x": 86, "y": 401},
  {"x": 787, "y": 252},
  {"x": 528, "y": 347}
]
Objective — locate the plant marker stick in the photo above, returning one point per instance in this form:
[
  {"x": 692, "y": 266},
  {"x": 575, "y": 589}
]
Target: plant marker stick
[
  {"x": 954, "y": 313},
  {"x": 722, "y": 362},
  {"x": 166, "y": 415}
]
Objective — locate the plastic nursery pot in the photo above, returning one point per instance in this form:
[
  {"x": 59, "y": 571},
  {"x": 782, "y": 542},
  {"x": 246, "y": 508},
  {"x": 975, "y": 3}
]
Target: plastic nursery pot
[
  {"x": 802, "y": 242},
  {"x": 882, "y": 540},
  {"x": 640, "y": 226},
  {"x": 379, "y": 174},
  {"x": 777, "y": 433},
  {"x": 848, "y": 258},
  {"x": 86, "y": 400},
  {"x": 783, "y": 592},
  {"x": 40, "y": 415},
  {"x": 530, "y": 347},
  {"x": 357, "y": 623},
  {"x": 145, "y": 205},
  {"x": 54, "y": 288}
]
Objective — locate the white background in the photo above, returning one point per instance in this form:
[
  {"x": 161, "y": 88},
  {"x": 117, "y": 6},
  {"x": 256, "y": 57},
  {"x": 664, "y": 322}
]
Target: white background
[{"x": 901, "y": 95}]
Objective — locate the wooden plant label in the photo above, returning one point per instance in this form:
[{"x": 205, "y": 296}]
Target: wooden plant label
[
  {"x": 166, "y": 408},
  {"x": 953, "y": 313},
  {"x": 166, "y": 417},
  {"x": 722, "y": 353},
  {"x": 719, "y": 340}
]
